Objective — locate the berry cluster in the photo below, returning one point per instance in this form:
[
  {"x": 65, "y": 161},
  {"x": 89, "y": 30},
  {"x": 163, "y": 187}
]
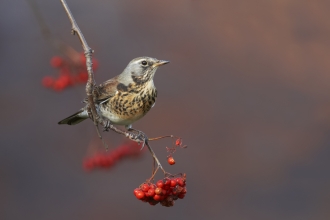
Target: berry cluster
[
  {"x": 70, "y": 72},
  {"x": 108, "y": 160},
  {"x": 165, "y": 191}
]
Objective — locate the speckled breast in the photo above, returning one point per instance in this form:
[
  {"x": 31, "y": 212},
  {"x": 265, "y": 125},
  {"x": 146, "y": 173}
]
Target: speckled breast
[{"x": 128, "y": 106}]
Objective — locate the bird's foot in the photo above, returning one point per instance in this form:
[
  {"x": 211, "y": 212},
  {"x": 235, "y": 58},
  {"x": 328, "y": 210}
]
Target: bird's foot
[
  {"x": 107, "y": 125},
  {"x": 138, "y": 136}
]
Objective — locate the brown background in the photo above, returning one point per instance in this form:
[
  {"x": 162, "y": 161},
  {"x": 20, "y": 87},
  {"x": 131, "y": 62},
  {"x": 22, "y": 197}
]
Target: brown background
[{"x": 247, "y": 88}]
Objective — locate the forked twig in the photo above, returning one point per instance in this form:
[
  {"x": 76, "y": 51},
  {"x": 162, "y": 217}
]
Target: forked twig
[
  {"x": 91, "y": 96},
  {"x": 89, "y": 64}
]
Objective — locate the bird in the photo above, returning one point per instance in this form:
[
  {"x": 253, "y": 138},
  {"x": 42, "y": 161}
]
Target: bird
[{"x": 125, "y": 98}]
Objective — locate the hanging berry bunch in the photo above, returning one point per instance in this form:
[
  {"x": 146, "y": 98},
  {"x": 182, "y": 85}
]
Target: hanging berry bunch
[
  {"x": 106, "y": 160},
  {"x": 70, "y": 72},
  {"x": 165, "y": 191}
]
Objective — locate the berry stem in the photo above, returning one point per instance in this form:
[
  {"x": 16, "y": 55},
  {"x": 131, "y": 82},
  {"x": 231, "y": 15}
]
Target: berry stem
[
  {"x": 161, "y": 137},
  {"x": 159, "y": 165}
]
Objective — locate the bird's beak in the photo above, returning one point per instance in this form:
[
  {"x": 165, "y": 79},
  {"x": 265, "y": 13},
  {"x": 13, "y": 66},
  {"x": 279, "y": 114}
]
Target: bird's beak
[{"x": 161, "y": 62}]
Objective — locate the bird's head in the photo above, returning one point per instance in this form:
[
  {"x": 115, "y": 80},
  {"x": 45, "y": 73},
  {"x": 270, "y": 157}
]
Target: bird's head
[{"x": 142, "y": 69}]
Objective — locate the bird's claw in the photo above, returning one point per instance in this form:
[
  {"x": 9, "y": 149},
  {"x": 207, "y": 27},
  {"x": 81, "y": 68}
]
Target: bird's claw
[
  {"x": 107, "y": 126},
  {"x": 138, "y": 136}
]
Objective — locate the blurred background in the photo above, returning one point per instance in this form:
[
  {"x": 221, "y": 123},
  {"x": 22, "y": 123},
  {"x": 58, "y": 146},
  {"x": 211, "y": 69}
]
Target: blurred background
[{"x": 247, "y": 89}]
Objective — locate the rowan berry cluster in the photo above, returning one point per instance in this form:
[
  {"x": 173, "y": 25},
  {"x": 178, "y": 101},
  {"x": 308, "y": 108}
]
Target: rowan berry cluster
[
  {"x": 70, "y": 72},
  {"x": 165, "y": 191},
  {"x": 108, "y": 160}
]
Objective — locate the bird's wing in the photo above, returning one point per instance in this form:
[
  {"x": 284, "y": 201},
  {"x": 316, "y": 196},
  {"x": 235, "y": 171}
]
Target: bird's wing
[{"x": 106, "y": 90}]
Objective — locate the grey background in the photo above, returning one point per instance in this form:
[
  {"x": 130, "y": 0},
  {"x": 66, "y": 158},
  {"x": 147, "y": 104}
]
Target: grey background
[{"x": 247, "y": 89}]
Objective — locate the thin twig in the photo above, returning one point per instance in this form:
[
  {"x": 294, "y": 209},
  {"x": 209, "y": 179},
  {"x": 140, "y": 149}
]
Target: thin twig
[
  {"x": 158, "y": 138},
  {"x": 88, "y": 54},
  {"x": 91, "y": 96}
]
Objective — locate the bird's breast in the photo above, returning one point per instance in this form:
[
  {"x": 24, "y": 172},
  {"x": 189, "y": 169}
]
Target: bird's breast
[{"x": 129, "y": 106}]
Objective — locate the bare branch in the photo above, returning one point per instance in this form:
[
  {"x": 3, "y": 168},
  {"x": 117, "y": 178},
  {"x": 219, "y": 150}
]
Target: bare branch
[
  {"x": 89, "y": 64},
  {"x": 140, "y": 137}
]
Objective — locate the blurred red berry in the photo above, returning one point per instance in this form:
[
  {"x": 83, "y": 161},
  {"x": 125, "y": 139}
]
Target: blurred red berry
[
  {"x": 167, "y": 182},
  {"x": 47, "y": 81},
  {"x": 160, "y": 184},
  {"x": 65, "y": 79},
  {"x": 136, "y": 190},
  {"x": 83, "y": 77},
  {"x": 181, "y": 195},
  {"x": 158, "y": 191},
  {"x": 156, "y": 197},
  {"x": 180, "y": 181},
  {"x": 153, "y": 186},
  {"x": 56, "y": 61},
  {"x": 139, "y": 194},
  {"x": 178, "y": 142},
  {"x": 151, "y": 193},
  {"x": 145, "y": 187},
  {"x": 184, "y": 190},
  {"x": 173, "y": 183},
  {"x": 58, "y": 85},
  {"x": 171, "y": 160}
]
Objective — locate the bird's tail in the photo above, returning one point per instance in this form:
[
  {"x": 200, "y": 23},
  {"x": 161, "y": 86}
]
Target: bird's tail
[{"x": 75, "y": 118}]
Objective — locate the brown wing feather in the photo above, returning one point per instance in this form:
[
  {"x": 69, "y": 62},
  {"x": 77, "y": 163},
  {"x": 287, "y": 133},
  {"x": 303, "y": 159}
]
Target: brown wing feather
[{"x": 106, "y": 90}]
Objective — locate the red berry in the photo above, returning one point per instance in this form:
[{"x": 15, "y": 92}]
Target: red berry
[
  {"x": 178, "y": 189},
  {"x": 153, "y": 186},
  {"x": 150, "y": 193},
  {"x": 184, "y": 190},
  {"x": 178, "y": 142},
  {"x": 160, "y": 184},
  {"x": 47, "y": 81},
  {"x": 56, "y": 61},
  {"x": 171, "y": 160},
  {"x": 167, "y": 182},
  {"x": 83, "y": 77},
  {"x": 140, "y": 195},
  {"x": 98, "y": 159},
  {"x": 181, "y": 195},
  {"x": 136, "y": 190},
  {"x": 173, "y": 182},
  {"x": 145, "y": 187},
  {"x": 158, "y": 191},
  {"x": 180, "y": 181},
  {"x": 58, "y": 85},
  {"x": 163, "y": 192},
  {"x": 156, "y": 197},
  {"x": 65, "y": 79}
]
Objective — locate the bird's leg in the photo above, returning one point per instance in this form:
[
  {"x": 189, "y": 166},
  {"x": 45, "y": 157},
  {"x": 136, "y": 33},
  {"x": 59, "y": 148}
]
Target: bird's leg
[
  {"x": 107, "y": 125},
  {"x": 134, "y": 135},
  {"x": 139, "y": 135}
]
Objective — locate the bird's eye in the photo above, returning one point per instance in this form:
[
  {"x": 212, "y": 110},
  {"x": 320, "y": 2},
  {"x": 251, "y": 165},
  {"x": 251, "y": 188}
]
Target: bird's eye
[{"x": 144, "y": 63}]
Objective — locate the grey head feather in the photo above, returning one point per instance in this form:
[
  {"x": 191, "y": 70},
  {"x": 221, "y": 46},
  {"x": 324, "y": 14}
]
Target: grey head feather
[{"x": 137, "y": 67}]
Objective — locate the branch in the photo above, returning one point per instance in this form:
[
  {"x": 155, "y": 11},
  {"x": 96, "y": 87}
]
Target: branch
[
  {"x": 89, "y": 64},
  {"x": 140, "y": 137}
]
